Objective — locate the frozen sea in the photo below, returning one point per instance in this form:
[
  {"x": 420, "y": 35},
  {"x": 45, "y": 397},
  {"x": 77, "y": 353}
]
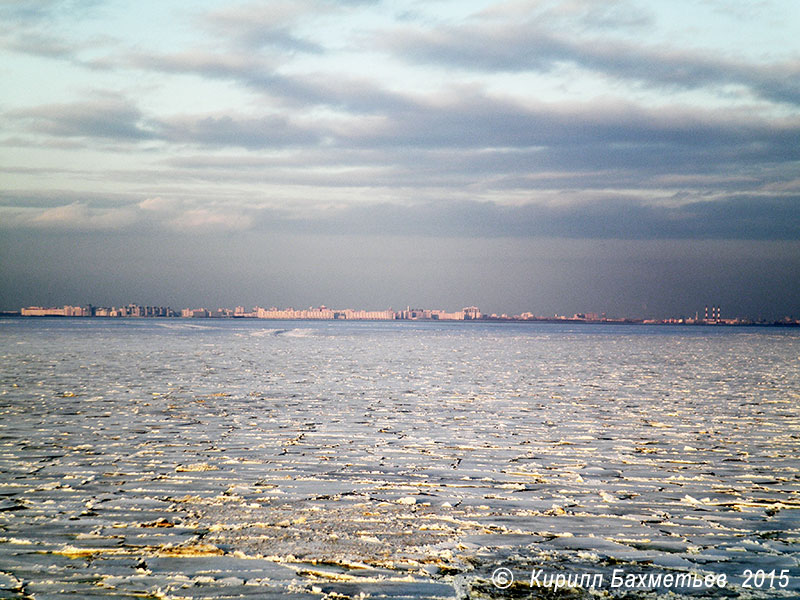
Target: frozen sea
[{"x": 169, "y": 458}]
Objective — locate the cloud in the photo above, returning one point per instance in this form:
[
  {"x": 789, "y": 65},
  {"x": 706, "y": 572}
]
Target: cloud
[
  {"x": 362, "y": 113},
  {"x": 185, "y": 215},
  {"x": 574, "y": 14},
  {"x": 735, "y": 217},
  {"x": 118, "y": 119},
  {"x": 460, "y": 144},
  {"x": 152, "y": 214},
  {"x": 39, "y": 44},
  {"x": 276, "y": 26},
  {"x": 158, "y": 204},
  {"x": 224, "y": 130},
  {"x": 46, "y": 10},
  {"x": 207, "y": 219},
  {"x": 79, "y": 216},
  {"x": 261, "y": 74},
  {"x": 214, "y": 65},
  {"x": 532, "y": 46},
  {"x": 456, "y": 157},
  {"x": 109, "y": 117},
  {"x": 255, "y": 26},
  {"x": 28, "y": 27}
]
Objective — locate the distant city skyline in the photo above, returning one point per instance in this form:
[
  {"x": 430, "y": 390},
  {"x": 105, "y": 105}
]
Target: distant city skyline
[
  {"x": 708, "y": 315},
  {"x": 627, "y": 156}
]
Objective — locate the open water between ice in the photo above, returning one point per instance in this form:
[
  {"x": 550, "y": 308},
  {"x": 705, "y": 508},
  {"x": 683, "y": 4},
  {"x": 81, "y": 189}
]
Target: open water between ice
[{"x": 254, "y": 459}]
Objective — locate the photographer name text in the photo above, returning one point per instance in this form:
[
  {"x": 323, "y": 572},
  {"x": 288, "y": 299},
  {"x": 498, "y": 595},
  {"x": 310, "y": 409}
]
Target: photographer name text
[{"x": 620, "y": 579}]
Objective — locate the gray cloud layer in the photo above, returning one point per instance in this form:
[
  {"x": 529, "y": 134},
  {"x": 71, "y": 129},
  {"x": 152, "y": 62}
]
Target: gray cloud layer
[
  {"x": 529, "y": 46},
  {"x": 739, "y": 217}
]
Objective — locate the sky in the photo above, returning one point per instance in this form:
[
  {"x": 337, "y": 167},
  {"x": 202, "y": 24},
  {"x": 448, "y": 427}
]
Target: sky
[{"x": 630, "y": 157}]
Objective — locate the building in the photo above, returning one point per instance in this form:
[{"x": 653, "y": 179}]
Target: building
[
  {"x": 365, "y": 315},
  {"x": 195, "y": 313},
  {"x": 65, "y": 311},
  {"x": 472, "y": 313},
  {"x": 321, "y": 313}
]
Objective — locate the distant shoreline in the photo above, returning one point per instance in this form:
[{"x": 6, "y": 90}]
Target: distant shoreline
[{"x": 570, "y": 321}]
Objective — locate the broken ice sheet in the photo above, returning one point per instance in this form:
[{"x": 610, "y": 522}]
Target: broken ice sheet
[{"x": 393, "y": 460}]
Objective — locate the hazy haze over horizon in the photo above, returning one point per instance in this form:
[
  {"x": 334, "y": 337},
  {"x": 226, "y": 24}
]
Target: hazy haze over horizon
[{"x": 628, "y": 157}]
